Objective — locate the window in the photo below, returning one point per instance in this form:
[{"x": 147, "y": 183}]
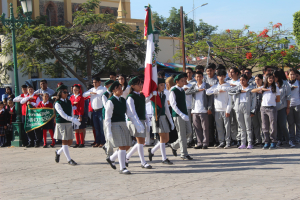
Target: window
[
  {"x": 51, "y": 15},
  {"x": 34, "y": 73}
]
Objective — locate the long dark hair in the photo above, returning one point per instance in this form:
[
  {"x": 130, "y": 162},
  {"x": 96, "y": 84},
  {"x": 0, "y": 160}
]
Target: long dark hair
[
  {"x": 131, "y": 89},
  {"x": 278, "y": 75},
  {"x": 125, "y": 83},
  {"x": 282, "y": 74},
  {"x": 273, "y": 86}
]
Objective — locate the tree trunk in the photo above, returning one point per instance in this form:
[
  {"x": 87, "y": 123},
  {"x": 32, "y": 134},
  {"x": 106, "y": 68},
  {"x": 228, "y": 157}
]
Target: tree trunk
[
  {"x": 84, "y": 82},
  {"x": 89, "y": 66}
]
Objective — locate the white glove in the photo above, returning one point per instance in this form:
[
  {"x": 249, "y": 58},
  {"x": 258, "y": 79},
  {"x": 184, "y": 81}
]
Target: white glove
[
  {"x": 185, "y": 118},
  {"x": 76, "y": 121},
  {"x": 140, "y": 129},
  {"x": 172, "y": 126},
  {"x": 109, "y": 135},
  {"x": 74, "y": 108}
]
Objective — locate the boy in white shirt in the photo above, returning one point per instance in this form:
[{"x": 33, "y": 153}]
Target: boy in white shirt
[{"x": 223, "y": 105}]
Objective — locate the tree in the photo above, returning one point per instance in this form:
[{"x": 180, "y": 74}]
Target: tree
[
  {"x": 172, "y": 26},
  {"x": 94, "y": 43},
  {"x": 246, "y": 48},
  {"x": 296, "y": 27}
]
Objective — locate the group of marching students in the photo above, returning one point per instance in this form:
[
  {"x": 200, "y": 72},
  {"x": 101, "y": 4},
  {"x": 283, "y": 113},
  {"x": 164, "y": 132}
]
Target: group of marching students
[{"x": 226, "y": 108}]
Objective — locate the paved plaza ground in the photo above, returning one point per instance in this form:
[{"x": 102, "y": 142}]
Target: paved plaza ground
[{"x": 213, "y": 174}]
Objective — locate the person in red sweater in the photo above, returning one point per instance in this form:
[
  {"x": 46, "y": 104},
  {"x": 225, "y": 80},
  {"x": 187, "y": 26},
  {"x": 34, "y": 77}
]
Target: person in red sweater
[
  {"x": 49, "y": 126},
  {"x": 77, "y": 101},
  {"x": 32, "y": 99}
]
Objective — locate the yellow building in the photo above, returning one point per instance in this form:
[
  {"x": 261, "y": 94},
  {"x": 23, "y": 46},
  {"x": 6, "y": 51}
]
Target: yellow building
[{"x": 59, "y": 12}]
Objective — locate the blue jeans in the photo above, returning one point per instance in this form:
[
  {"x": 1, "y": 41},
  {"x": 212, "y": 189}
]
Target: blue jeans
[{"x": 98, "y": 124}]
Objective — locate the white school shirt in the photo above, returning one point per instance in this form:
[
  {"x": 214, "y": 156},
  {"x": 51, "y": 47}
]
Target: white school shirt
[
  {"x": 104, "y": 99},
  {"x": 125, "y": 92},
  {"x": 236, "y": 83},
  {"x": 34, "y": 104},
  {"x": 269, "y": 98},
  {"x": 222, "y": 100},
  {"x": 173, "y": 102},
  {"x": 188, "y": 98},
  {"x": 243, "y": 96},
  {"x": 95, "y": 99},
  {"x": 295, "y": 98},
  {"x": 59, "y": 109},
  {"x": 19, "y": 98},
  {"x": 199, "y": 106}
]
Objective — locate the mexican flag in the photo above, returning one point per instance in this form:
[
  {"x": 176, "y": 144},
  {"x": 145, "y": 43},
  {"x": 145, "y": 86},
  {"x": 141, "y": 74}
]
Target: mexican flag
[{"x": 150, "y": 80}]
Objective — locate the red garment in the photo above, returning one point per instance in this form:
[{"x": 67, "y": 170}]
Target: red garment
[
  {"x": 48, "y": 105},
  {"x": 80, "y": 104},
  {"x": 90, "y": 106},
  {"x": 24, "y": 105},
  {"x": 34, "y": 98},
  {"x": 11, "y": 109}
]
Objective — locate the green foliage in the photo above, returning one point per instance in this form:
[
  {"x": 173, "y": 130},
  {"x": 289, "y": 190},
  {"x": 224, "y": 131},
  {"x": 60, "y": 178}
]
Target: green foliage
[
  {"x": 93, "y": 43},
  {"x": 231, "y": 47},
  {"x": 296, "y": 27},
  {"x": 172, "y": 26}
]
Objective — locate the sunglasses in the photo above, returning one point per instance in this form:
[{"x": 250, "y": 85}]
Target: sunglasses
[{"x": 65, "y": 92}]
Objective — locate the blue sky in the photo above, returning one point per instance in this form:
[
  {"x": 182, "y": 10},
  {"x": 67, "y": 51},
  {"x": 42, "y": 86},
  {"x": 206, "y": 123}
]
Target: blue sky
[{"x": 227, "y": 14}]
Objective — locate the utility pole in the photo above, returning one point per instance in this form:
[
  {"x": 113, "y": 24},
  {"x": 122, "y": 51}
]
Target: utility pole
[{"x": 182, "y": 38}]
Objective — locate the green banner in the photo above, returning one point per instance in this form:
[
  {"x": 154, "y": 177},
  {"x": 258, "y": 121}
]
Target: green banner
[{"x": 37, "y": 117}]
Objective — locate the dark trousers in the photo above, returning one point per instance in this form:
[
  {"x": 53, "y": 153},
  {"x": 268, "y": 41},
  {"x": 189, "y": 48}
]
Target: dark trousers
[
  {"x": 282, "y": 132},
  {"x": 98, "y": 125},
  {"x": 201, "y": 124},
  {"x": 269, "y": 123},
  {"x": 212, "y": 129},
  {"x": 173, "y": 136}
]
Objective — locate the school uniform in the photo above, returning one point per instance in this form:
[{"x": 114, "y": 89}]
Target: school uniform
[
  {"x": 117, "y": 130},
  {"x": 201, "y": 103},
  {"x": 294, "y": 115},
  {"x": 49, "y": 126},
  {"x": 285, "y": 95},
  {"x": 189, "y": 108},
  {"x": 181, "y": 119},
  {"x": 34, "y": 136},
  {"x": 97, "y": 105},
  {"x": 125, "y": 92},
  {"x": 11, "y": 119},
  {"x": 213, "y": 136},
  {"x": 108, "y": 145},
  {"x": 256, "y": 119},
  {"x": 244, "y": 106},
  {"x": 223, "y": 105},
  {"x": 234, "y": 126},
  {"x": 78, "y": 111},
  {"x": 3, "y": 122},
  {"x": 269, "y": 115}
]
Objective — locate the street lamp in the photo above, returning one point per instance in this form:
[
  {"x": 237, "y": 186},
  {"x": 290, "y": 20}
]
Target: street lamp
[
  {"x": 12, "y": 23},
  {"x": 156, "y": 36}
]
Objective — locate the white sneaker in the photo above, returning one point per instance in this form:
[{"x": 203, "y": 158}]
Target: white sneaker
[{"x": 291, "y": 144}]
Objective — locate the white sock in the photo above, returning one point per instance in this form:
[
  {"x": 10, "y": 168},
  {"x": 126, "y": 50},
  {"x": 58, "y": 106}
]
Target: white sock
[
  {"x": 66, "y": 151},
  {"x": 132, "y": 151},
  {"x": 141, "y": 153},
  {"x": 163, "y": 151},
  {"x": 157, "y": 146},
  {"x": 60, "y": 151},
  {"x": 121, "y": 157},
  {"x": 114, "y": 156}
]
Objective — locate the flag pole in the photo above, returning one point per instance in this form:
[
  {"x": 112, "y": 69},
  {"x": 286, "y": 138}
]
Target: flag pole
[{"x": 155, "y": 108}]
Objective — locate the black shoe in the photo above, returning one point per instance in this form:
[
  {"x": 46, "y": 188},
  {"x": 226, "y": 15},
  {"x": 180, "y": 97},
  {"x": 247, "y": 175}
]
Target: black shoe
[
  {"x": 81, "y": 146},
  {"x": 124, "y": 171},
  {"x": 105, "y": 150},
  {"x": 146, "y": 166},
  {"x": 72, "y": 162},
  {"x": 37, "y": 146},
  {"x": 167, "y": 162},
  {"x": 2, "y": 145},
  {"x": 29, "y": 145},
  {"x": 238, "y": 144},
  {"x": 233, "y": 143},
  {"x": 45, "y": 146},
  {"x": 57, "y": 156},
  {"x": 111, "y": 162},
  {"x": 173, "y": 151},
  {"x": 257, "y": 144},
  {"x": 150, "y": 154},
  {"x": 198, "y": 147},
  {"x": 126, "y": 164},
  {"x": 204, "y": 147},
  {"x": 77, "y": 145},
  {"x": 189, "y": 145},
  {"x": 52, "y": 145},
  {"x": 222, "y": 145},
  {"x": 186, "y": 157}
]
